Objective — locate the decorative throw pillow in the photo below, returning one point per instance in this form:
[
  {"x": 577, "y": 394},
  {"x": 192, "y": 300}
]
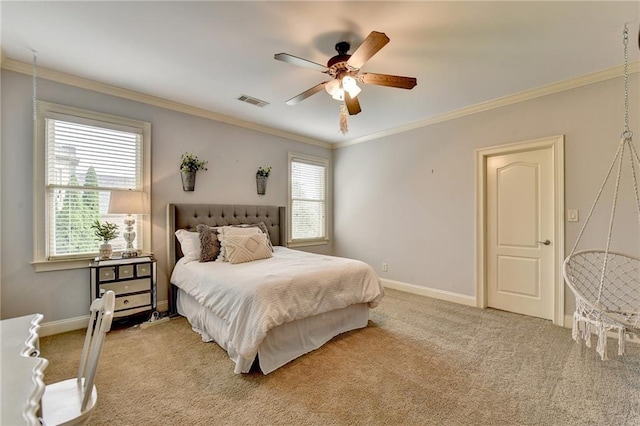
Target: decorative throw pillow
[
  {"x": 209, "y": 244},
  {"x": 262, "y": 227},
  {"x": 189, "y": 243},
  {"x": 246, "y": 248},
  {"x": 225, "y": 231}
]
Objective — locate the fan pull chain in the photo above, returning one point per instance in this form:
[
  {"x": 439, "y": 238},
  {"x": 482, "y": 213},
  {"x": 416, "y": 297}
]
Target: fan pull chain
[
  {"x": 35, "y": 87},
  {"x": 344, "y": 120}
]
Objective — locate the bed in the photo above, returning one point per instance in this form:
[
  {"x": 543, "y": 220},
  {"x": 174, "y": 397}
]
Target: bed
[{"x": 269, "y": 311}]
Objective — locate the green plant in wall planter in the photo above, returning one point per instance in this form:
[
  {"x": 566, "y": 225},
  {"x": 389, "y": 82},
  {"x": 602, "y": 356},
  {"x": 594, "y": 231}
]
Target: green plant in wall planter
[
  {"x": 188, "y": 168},
  {"x": 105, "y": 232},
  {"x": 261, "y": 179}
]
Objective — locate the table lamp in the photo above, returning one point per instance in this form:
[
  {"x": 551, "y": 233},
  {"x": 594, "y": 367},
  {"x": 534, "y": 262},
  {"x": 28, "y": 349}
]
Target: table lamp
[{"x": 128, "y": 202}]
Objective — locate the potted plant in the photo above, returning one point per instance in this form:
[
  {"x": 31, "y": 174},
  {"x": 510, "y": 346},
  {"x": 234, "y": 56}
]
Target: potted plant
[
  {"x": 188, "y": 168},
  {"x": 261, "y": 179},
  {"x": 105, "y": 232}
]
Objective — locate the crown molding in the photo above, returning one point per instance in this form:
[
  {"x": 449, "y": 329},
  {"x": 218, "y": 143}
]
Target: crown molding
[
  {"x": 107, "y": 89},
  {"x": 72, "y": 80},
  {"x": 549, "y": 89}
]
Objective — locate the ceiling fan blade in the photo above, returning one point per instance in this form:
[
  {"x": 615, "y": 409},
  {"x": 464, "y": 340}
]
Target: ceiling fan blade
[
  {"x": 285, "y": 57},
  {"x": 388, "y": 80},
  {"x": 353, "y": 106},
  {"x": 369, "y": 47},
  {"x": 304, "y": 95}
]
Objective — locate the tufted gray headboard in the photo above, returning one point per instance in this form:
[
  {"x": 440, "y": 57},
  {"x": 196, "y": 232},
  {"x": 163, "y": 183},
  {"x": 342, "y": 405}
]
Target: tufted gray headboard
[{"x": 189, "y": 216}]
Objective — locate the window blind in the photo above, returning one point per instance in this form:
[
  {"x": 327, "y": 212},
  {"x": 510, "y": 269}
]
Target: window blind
[
  {"x": 84, "y": 161},
  {"x": 308, "y": 199}
]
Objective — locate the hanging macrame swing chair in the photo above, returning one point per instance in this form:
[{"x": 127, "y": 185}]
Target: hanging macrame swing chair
[{"x": 606, "y": 283}]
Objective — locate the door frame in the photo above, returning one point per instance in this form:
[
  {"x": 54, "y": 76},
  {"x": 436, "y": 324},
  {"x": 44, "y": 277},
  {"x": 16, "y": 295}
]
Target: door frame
[{"x": 557, "y": 145}]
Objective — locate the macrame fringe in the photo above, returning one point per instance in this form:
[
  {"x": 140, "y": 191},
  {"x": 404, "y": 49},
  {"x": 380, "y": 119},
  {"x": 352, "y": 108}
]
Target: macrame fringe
[
  {"x": 586, "y": 334},
  {"x": 344, "y": 124},
  {"x": 621, "y": 341},
  {"x": 575, "y": 330},
  {"x": 601, "y": 348},
  {"x": 581, "y": 330}
]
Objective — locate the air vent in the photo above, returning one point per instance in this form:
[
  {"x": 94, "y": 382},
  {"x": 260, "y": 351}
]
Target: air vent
[{"x": 253, "y": 101}]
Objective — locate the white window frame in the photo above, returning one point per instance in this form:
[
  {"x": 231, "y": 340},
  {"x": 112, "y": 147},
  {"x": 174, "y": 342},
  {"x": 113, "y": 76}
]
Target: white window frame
[
  {"x": 319, "y": 161},
  {"x": 41, "y": 220}
]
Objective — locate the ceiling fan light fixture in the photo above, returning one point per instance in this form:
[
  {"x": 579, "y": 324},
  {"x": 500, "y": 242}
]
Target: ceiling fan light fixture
[
  {"x": 332, "y": 86},
  {"x": 338, "y": 94},
  {"x": 349, "y": 85}
]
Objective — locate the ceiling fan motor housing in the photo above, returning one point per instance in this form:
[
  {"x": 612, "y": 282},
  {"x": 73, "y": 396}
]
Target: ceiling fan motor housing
[{"x": 342, "y": 48}]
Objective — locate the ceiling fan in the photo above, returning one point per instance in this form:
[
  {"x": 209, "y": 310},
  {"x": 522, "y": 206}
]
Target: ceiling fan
[{"x": 345, "y": 70}]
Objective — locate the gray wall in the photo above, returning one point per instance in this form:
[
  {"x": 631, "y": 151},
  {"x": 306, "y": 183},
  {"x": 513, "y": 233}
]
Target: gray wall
[
  {"x": 234, "y": 155},
  {"x": 409, "y": 199}
]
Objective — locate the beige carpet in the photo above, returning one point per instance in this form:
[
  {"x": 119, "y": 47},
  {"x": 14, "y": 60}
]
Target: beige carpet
[{"x": 420, "y": 361}]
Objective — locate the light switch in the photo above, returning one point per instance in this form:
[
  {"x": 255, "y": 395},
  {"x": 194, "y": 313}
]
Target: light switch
[{"x": 572, "y": 215}]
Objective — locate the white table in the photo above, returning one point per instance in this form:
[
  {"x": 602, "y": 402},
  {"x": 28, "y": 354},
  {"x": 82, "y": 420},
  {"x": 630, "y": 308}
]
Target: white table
[{"x": 22, "y": 371}]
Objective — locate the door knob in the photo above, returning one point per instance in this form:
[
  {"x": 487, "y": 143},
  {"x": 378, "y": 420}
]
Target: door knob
[{"x": 545, "y": 242}]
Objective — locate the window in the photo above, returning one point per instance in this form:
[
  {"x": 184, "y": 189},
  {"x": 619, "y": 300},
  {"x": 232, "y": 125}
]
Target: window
[
  {"x": 308, "y": 177},
  {"x": 80, "y": 157}
]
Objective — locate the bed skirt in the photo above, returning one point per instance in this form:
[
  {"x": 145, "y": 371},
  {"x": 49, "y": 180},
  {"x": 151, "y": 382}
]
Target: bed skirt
[{"x": 283, "y": 343}]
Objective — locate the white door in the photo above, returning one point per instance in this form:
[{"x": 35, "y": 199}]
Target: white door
[{"x": 519, "y": 236}]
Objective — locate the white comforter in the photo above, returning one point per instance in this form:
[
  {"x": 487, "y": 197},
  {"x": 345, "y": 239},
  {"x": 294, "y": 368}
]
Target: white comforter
[{"x": 256, "y": 296}]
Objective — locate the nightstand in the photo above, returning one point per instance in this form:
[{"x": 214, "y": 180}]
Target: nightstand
[{"x": 132, "y": 279}]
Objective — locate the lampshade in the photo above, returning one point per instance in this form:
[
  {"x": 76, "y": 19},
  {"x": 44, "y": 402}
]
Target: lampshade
[
  {"x": 128, "y": 202},
  {"x": 332, "y": 86}
]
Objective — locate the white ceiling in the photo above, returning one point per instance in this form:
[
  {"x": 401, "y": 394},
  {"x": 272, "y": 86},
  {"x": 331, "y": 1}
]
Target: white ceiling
[{"x": 206, "y": 54}]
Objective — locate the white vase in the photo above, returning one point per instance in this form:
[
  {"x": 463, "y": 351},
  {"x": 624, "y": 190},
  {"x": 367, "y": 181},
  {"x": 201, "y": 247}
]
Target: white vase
[{"x": 105, "y": 251}]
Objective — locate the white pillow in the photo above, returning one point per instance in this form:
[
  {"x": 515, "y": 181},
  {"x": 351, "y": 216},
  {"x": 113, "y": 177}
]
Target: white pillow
[
  {"x": 246, "y": 248},
  {"x": 225, "y": 231},
  {"x": 189, "y": 243}
]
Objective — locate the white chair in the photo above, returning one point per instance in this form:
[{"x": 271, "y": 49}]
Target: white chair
[{"x": 71, "y": 402}]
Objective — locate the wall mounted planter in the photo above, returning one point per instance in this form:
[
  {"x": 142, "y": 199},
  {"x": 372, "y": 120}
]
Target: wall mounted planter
[
  {"x": 261, "y": 184},
  {"x": 188, "y": 181}
]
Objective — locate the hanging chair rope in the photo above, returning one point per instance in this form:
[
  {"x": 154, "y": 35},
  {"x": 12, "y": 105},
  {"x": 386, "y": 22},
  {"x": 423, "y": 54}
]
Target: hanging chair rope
[
  {"x": 611, "y": 220},
  {"x": 595, "y": 203},
  {"x": 634, "y": 153}
]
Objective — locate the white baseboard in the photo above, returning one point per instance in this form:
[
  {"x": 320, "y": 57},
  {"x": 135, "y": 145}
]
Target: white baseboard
[
  {"x": 62, "y": 326},
  {"x": 78, "y": 323},
  {"x": 430, "y": 292},
  {"x": 471, "y": 301}
]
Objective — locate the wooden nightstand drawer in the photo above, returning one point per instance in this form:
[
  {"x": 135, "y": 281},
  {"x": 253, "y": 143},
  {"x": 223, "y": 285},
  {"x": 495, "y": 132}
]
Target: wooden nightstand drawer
[
  {"x": 107, "y": 274},
  {"x": 125, "y": 271},
  {"x": 143, "y": 270},
  {"x": 133, "y": 301},
  {"x": 123, "y": 287}
]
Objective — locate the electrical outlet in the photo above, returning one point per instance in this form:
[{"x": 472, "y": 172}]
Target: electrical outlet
[{"x": 385, "y": 267}]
